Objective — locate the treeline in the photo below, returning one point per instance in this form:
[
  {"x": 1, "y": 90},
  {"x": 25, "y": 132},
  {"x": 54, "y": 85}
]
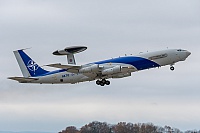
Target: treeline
[{"x": 123, "y": 127}]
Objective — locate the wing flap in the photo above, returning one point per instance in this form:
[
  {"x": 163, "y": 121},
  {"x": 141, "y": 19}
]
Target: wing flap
[{"x": 23, "y": 79}]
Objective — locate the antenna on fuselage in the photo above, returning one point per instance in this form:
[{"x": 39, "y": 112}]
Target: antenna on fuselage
[{"x": 69, "y": 52}]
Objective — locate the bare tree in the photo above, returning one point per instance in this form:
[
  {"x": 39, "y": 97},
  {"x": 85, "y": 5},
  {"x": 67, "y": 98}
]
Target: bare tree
[
  {"x": 123, "y": 127},
  {"x": 70, "y": 129},
  {"x": 96, "y": 127}
]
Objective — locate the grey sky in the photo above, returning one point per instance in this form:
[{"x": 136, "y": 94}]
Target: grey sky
[{"x": 109, "y": 29}]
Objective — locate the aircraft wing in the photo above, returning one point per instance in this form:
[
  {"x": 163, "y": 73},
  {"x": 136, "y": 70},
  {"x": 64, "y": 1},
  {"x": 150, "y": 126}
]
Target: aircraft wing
[
  {"x": 23, "y": 79},
  {"x": 70, "y": 68}
]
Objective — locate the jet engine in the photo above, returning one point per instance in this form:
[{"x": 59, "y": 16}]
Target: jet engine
[
  {"x": 93, "y": 68},
  {"x": 112, "y": 70},
  {"x": 121, "y": 75}
]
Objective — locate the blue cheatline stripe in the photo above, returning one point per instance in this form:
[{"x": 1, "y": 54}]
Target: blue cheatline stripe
[
  {"x": 54, "y": 72},
  {"x": 138, "y": 62},
  {"x": 31, "y": 66}
]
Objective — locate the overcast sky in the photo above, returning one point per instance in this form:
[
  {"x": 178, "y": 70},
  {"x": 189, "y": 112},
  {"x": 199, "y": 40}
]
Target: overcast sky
[{"x": 109, "y": 28}]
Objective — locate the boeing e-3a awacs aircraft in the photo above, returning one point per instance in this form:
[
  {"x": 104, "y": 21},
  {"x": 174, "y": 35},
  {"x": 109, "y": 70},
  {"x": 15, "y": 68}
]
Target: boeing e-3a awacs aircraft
[{"x": 100, "y": 71}]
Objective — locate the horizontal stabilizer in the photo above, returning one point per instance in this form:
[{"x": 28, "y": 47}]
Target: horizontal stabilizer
[
  {"x": 70, "y": 68},
  {"x": 23, "y": 79}
]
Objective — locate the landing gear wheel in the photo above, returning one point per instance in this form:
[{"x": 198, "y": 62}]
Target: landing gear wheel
[
  {"x": 107, "y": 82},
  {"x": 172, "y": 68},
  {"x": 103, "y": 81},
  {"x": 102, "y": 84},
  {"x": 98, "y": 82}
]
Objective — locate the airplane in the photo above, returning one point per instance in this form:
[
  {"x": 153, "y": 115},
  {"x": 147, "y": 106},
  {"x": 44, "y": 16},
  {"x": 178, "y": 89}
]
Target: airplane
[{"x": 100, "y": 71}]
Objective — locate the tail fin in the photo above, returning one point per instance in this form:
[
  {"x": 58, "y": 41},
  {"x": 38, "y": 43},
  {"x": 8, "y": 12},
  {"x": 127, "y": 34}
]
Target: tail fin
[{"x": 28, "y": 67}]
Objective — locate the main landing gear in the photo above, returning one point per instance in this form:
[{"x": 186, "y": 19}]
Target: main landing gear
[
  {"x": 172, "y": 68},
  {"x": 103, "y": 82}
]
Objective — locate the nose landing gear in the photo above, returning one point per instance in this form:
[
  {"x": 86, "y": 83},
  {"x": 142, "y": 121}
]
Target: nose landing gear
[
  {"x": 103, "y": 82},
  {"x": 172, "y": 68}
]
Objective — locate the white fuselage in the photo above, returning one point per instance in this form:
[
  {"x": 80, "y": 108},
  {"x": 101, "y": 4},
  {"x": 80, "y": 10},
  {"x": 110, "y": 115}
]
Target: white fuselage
[{"x": 127, "y": 65}]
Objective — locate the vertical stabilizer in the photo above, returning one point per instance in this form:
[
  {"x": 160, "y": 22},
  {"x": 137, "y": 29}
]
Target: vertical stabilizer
[
  {"x": 21, "y": 64},
  {"x": 28, "y": 67}
]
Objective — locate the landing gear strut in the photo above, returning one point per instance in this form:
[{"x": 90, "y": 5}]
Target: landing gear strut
[
  {"x": 103, "y": 82},
  {"x": 172, "y": 68}
]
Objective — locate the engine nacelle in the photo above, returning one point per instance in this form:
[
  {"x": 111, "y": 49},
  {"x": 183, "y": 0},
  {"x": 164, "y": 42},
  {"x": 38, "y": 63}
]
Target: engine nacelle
[
  {"x": 93, "y": 68},
  {"x": 111, "y": 71},
  {"x": 121, "y": 75}
]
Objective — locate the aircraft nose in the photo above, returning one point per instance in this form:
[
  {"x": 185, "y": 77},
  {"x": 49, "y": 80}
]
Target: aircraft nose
[{"x": 188, "y": 53}]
